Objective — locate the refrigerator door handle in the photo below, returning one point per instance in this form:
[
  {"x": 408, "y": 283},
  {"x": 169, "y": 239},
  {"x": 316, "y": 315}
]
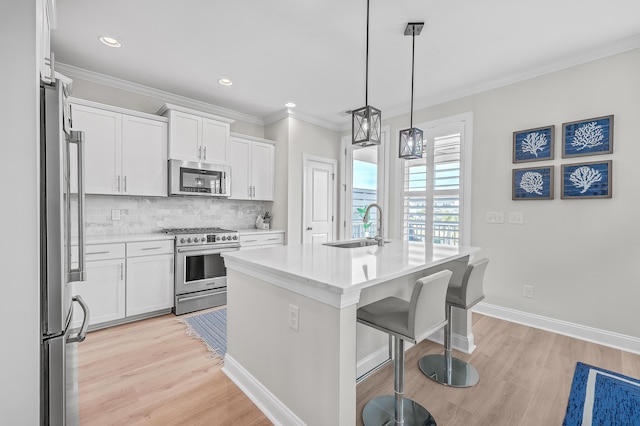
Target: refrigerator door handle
[
  {"x": 79, "y": 274},
  {"x": 82, "y": 334}
]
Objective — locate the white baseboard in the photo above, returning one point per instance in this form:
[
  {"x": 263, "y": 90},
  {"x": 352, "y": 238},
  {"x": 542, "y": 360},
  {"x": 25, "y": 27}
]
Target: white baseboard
[
  {"x": 272, "y": 407},
  {"x": 458, "y": 342},
  {"x": 590, "y": 334},
  {"x": 372, "y": 360}
]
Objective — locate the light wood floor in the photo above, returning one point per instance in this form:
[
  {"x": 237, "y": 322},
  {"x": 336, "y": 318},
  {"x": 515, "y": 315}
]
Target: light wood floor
[{"x": 151, "y": 372}]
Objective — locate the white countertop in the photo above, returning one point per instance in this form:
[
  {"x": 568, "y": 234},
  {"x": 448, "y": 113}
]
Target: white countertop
[
  {"x": 340, "y": 270},
  {"x": 260, "y": 231},
  {"x": 127, "y": 238}
]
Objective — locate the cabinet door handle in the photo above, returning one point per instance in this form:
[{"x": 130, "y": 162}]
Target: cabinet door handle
[
  {"x": 151, "y": 248},
  {"x": 97, "y": 252},
  {"x": 125, "y": 184},
  {"x": 199, "y": 152},
  {"x": 118, "y": 183},
  {"x": 249, "y": 191},
  {"x": 122, "y": 272},
  {"x": 205, "y": 152},
  {"x": 273, "y": 239},
  {"x": 250, "y": 241},
  {"x": 309, "y": 228}
]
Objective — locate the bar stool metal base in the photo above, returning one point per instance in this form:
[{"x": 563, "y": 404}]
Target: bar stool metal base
[
  {"x": 462, "y": 375},
  {"x": 381, "y": 411}
]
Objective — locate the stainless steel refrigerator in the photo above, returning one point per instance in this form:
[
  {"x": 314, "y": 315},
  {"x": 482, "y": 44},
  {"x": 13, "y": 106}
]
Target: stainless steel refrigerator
[{"x": 61, "y": 231}]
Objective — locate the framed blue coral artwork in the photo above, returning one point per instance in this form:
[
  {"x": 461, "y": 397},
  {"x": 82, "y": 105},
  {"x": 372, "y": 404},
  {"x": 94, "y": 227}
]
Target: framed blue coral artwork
[
  {"x": 534, "y": 183},
  {"x": 593, "y": 136},
  {"x": 587, "y": 180},
  {"x": 533, "y": 144}
]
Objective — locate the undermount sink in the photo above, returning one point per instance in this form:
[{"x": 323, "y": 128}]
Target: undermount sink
[{"x": 354, "y": 243}]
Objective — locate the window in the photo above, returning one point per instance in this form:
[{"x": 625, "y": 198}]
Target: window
[{"x": 433, "y": 187}]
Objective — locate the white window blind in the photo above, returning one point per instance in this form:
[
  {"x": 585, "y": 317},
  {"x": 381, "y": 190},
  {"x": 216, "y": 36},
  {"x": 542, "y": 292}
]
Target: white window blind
[{"x": 432, "y": 189}]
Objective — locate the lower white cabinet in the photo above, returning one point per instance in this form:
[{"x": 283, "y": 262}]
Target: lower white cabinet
[
  {"x": 126, "y": 279},
  {"x": 103, "y": 291},
  {"x": 149, "y": 283},
  {"x": 261, "y": 239}
]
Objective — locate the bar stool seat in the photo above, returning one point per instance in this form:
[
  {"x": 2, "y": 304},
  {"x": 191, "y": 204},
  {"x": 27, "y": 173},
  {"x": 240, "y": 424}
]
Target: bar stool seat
[
  {"x": 444, "y": 368},
  {"x": 411, "y": 320}
]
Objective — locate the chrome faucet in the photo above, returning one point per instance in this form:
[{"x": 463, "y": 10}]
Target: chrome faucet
[{"x": 379, "y": 237}]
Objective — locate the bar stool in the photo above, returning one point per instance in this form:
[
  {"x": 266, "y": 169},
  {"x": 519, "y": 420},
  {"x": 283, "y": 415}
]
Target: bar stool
[
  {"x": 405, "y": 320},
  {"x": 445, "y": 369}
]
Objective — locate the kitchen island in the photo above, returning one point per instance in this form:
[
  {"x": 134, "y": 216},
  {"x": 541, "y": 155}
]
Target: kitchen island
[{"x": 291, "y": 320}]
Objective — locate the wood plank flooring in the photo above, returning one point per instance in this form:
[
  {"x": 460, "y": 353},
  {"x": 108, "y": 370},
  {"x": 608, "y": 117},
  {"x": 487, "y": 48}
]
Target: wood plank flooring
[{"x": 150, "y": 372}]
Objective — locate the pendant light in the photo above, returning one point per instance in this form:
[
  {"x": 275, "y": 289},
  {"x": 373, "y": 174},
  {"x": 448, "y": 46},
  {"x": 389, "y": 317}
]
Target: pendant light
[
  {"x": 366, "y": 122},
  {"x": 411, "y": 139}
]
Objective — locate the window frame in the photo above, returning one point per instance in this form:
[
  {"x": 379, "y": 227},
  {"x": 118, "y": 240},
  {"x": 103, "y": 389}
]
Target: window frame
[{"x": 438, "y": 128}]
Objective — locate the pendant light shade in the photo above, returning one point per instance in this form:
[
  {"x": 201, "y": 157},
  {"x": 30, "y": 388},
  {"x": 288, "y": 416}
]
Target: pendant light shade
[
  {"x": 366, "y": 122},
  {"x": 411, "y": 139}
]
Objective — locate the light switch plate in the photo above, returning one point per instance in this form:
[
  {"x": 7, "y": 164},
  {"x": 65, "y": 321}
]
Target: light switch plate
[
  {"x": 516, "y": 218},
  {"x": 495, "y": 217}
]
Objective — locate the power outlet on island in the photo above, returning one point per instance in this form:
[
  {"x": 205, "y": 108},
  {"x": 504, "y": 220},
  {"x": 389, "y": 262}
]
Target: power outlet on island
[{"x": 293, "y": 317}]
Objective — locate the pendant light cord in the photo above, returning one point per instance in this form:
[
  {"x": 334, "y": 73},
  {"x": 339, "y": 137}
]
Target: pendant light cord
[
  {"x": 413, "y": 56},
  {"x": 366, "y": 79}
]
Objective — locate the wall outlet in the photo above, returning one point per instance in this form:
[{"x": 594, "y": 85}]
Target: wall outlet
[
  {"x": 239, "y": 214},
  {"x": 115, "y": 214},
  {"x": 527, "y": 291},
  {"x": 495, "y": 217},
  {"x": 516, "y": 218},
  {"x": 293, "y": 317}
]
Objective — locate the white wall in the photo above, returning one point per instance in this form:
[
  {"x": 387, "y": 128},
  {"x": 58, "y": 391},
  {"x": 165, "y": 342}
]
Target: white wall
[
  {"x": 578, "y": 254},
  {"x": 19, "y": 306},
  {"x": 305, "y": 138},
  {"x": 279, "y": 132}
]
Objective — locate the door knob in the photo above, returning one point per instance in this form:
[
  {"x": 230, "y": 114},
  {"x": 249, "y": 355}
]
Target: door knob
[{"x": 309, "y": 228}]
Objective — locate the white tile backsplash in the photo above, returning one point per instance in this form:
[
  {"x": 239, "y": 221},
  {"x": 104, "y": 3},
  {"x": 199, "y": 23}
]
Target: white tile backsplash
[{"x": 142, "y": 215}]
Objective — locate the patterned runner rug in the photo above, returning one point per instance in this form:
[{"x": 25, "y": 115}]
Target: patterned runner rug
[
  {"x": 211, "y": 328},
  {"x": 602, "y": 397}
]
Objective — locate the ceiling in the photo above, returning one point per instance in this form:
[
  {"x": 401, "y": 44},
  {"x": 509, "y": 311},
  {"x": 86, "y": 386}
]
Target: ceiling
[{"x": 312, "y": 52}]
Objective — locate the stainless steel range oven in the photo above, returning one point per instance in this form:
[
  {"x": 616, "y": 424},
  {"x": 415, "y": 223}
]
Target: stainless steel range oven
[{"x": 200, "y": 274}]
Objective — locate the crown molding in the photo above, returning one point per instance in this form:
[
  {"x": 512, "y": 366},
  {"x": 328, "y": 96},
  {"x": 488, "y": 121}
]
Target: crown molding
[
  {"x": 289, "y": 113},
  {"x": 95, "y": 77},
  {"x": 566, "y": 62}
]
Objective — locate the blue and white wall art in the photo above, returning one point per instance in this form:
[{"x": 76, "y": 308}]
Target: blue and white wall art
[
  {"x": 587, "y": 137},
  {"x": 586, "y": 180},
  {"x": 535, "y": 183},
  {"x": 533, "y": 144}
]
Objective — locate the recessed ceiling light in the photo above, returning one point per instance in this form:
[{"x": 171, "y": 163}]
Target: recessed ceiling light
[
  {"x": 225, "y": 82},
  {"x": 290, "y": 105},
  {"x": 109, "y": 41}
]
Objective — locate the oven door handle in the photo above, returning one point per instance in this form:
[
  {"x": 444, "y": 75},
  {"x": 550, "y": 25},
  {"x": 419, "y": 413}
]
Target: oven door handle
[{"x": 202, "y": 250}]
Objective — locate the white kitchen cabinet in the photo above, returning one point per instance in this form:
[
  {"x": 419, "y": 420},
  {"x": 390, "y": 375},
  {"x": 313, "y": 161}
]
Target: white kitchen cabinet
[
  {"x": 104, "y": 289},
  {"x": 149, "y": 277},
  {"x": 197, "y": 136},
  {"x": 260, "y": 239},
  {"x": 125, "y": 154},
  {"x": 252, "y": 162}
]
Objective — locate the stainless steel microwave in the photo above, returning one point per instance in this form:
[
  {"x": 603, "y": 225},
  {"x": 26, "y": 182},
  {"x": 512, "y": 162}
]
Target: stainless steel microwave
[{"x": 191, "y": 178}]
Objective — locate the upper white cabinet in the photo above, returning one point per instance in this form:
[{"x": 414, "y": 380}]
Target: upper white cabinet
[
  {"x": 125, "y": 153},
  {"x": 252, "y": 162},
  {"x": 197, "y": 136}
]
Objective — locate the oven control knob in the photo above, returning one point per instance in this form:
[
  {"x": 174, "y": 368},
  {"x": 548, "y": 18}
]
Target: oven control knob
[
  {"x": 195, "y": 239},
  {"x": 224, "y": 237},
  {"x": 189, "y": 239},
  {"x": 182, "y": 240},
  {"x": 235, "y": 237}
]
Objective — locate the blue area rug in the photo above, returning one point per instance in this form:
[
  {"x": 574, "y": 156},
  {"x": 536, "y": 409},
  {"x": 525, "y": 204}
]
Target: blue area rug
[
  {"x": 211, "y": 328},
  {"x": 602, "y": 397}
]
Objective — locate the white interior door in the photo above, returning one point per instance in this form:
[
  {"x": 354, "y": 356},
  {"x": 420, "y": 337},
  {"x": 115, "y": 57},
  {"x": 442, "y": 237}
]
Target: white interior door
[{"x": 318, "y": 200}]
